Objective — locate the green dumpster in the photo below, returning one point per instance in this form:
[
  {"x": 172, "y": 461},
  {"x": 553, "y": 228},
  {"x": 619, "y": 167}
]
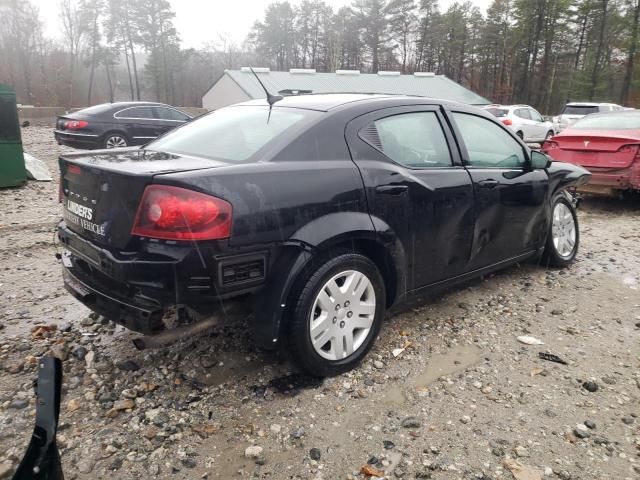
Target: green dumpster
[{"x": 12, "y": 171}]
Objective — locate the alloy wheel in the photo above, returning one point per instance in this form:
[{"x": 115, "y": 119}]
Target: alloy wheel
[
  {"x": 563, "y": 230},
  {"x": 116, "y": 141},
  {"x": 342, "y": 315}
]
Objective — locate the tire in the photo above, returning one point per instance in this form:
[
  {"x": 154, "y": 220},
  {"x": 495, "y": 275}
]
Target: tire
[
  {"x": 329, "y": 354},
  {"x": 563, "y": 238},
  {"x": 521, "y": 135},
  {"x": 549, "y": 135},
  {"x": 115, "y": 140}
]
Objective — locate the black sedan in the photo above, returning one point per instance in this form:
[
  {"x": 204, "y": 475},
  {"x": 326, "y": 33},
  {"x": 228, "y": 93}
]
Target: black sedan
[
  {"x": 320, "y": 211},
  {"x": 114, "y": 125}
]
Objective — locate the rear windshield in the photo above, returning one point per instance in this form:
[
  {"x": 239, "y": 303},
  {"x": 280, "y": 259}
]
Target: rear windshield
[
  {"x": 623, "y": 121},
  {"x": 232, "y": 134},
  {"x": 95, "y": 109},
  {"x": 580, "y": 109},
  {"x": 498, "y": 112}
]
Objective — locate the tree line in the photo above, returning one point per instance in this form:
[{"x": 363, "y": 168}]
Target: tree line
[{"x": 539, "y": 52}]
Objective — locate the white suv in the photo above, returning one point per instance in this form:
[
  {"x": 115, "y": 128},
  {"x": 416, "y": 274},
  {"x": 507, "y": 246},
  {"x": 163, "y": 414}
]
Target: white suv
[
  {"x": 576, "y": 110},
  {"x": 524, "y": 120}
]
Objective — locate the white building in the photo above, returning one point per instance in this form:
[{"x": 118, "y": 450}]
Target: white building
[{"x": 236, "y": 86}]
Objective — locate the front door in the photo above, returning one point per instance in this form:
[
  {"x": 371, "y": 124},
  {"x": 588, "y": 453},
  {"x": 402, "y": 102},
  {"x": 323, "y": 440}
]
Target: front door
[
  {"x": 509, "y": 196},
  {"x": 416, "y": 185}
]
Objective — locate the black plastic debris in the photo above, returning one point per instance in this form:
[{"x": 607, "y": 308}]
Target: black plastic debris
[
  {"x": 42, "y": 460},
  {"x": 550, "y": 357}
]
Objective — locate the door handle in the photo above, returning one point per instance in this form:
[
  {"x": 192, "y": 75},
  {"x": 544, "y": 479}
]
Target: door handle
[
  {"x": 489, "y": 183},
  {"x": 391, "y": 189}
]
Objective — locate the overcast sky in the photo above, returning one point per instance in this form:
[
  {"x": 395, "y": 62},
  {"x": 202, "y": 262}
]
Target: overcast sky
[{"x": 202, "y": 21}]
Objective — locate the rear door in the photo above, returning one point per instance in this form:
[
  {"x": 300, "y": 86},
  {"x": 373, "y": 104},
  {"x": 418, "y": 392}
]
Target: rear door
[
  {"x": 139, "y": 123},
  {"x": 510, "y": 218},
  {"x": 417, "y": 187}
]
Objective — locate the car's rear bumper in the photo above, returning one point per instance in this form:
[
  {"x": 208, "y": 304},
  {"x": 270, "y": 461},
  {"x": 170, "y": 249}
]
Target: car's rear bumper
[
  {"x": 136, "y": 290},
  {"x": 77, "y": 140},
  {"x": 606, "y": 181}
]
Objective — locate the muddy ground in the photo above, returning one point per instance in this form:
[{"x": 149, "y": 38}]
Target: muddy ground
[{"x": 463, "y": 400}]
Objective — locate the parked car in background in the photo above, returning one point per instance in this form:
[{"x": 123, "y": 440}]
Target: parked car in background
[
  {"x": 528, "y": 124},
  {"x": 576, "y": 110},
  {"x": 606, "y": 144},
  {"x": 321, "y": 211},
  {"x": 114, "y": 125}
]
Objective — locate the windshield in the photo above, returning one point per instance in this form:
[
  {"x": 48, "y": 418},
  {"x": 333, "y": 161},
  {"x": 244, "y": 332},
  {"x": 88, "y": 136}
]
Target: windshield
[
  {"x": 232, "y": 134},
  {"x": 498, "y": 112},
  {"x": 580, "y": 109},
  {"x": 624, "y": 121}
]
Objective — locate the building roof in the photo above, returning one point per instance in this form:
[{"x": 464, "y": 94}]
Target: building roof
[{"x": 343, "y": 81}]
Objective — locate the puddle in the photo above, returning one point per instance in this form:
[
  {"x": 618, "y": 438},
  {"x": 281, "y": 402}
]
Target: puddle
[
  {"x": 289, "y": 385},
  {"x": 454, "y": 360}
]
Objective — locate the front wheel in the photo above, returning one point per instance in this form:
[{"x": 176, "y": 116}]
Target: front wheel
[
  {"x": 564, "y": 235},
  {"x": 338, "y": 315},
  {"x": 549, "y": 135}
]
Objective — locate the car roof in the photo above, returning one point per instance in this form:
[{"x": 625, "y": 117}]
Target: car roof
[
  {"x": 508, "y": 106},
  {"x": 329, "y": 101},
  {"x": 589, "y": 104}
]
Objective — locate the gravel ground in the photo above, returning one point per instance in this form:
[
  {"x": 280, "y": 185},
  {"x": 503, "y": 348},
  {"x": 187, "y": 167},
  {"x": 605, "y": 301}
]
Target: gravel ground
[{"x": 461, "y": 398}]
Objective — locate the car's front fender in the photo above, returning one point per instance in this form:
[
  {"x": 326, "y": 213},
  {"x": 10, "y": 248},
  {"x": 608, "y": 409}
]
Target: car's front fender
[{"x": 563, "y": 175}]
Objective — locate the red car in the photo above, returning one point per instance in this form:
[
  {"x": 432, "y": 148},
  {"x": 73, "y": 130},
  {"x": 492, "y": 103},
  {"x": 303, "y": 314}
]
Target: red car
[{"x": 606, "y": 144}]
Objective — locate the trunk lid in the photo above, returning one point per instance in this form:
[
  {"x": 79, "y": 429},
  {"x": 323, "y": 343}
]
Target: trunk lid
[
  {"x": 593, "y": 148},
  {"x": 101, "y": 190}
]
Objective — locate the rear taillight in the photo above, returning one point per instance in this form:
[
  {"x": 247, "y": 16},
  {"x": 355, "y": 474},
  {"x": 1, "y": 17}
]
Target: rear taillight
[
  {"x": 173, "y": 213},
  {"x": 507, "y": 121},
  {"x": 74, "y": 169},
  {"x": 75, "y": 124}
]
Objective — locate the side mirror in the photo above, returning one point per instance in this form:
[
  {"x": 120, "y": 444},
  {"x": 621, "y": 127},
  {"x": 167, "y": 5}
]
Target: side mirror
[{"x": 539, "y": 161}]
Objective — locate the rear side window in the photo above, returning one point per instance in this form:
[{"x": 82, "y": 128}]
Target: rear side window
[
  {"x": 164, "y": 113},
  {"x": 488, "y": 145},
  {"x": 233, "y": 134},
  {"x": 415, "y": 140},
  {"x": 523, "y": 113},
  {"x": 498, "y": 112},
  {"x": 135, "y": 112},
  {"x": 579, "y": 109}
]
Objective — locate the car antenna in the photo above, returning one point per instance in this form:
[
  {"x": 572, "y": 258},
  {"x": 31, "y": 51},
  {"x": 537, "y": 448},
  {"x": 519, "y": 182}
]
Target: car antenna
[{"x": 271, "y": 99}]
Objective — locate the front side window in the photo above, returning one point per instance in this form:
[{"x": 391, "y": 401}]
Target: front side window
[
  {"x": 233, "y": 134},
  {"x": 414, "y": 140},
  {"x": 135, "y": 112},
  {"x": 535, "y": 116},
  {"x": 488, "y": 145},
  {"x": 165, "y": 113}
]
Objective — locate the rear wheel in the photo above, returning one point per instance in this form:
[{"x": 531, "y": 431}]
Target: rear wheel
[
  {"x": 338, "y": 315},
  {"x": 115, "y": 140},
  {"x": 564, "y": 236},
  {"x": 549, "y": 135},
  {"x": 520, "y": 134}
]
